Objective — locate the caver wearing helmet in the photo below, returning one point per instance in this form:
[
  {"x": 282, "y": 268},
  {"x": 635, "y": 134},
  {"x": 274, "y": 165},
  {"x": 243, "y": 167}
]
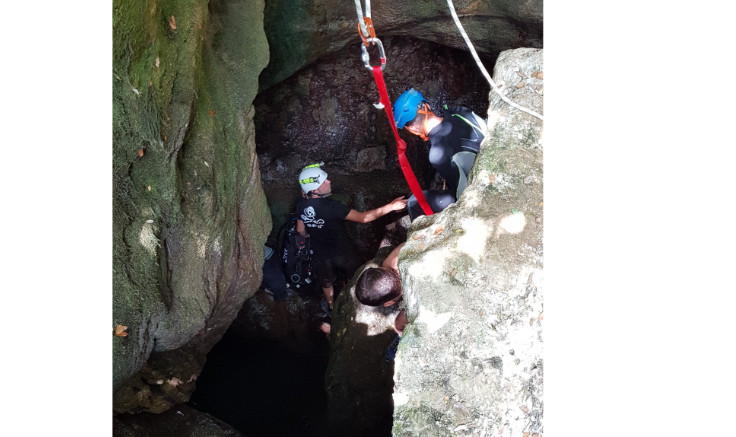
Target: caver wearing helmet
[
  {"x": 405, "y": 108},
  {"x": 311, "y": 178},
  {"x": 322, "y": 219},
  {"x": 452, "y": 137}
]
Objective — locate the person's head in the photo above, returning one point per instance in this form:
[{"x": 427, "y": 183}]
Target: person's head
[
  {"x": 412, "y": 111},
  {"x": 378, "y": 286},
  {"x": 313, "y": 181}
]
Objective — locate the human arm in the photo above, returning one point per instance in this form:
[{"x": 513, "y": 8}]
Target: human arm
[
  {"x": 368, "y": 216},
  {"x": 392, "y": 260},
  {"x": 301, "y": 229},
  {"x": 400, "y": 322}
]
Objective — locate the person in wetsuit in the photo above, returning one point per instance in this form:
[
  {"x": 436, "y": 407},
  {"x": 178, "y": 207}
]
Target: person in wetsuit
[{"x": 454, "y": 138}]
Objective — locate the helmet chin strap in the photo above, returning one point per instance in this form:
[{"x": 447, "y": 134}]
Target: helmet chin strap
[
  {"x": 424, "y": 111},
  {"x": 320, "y": 195}
]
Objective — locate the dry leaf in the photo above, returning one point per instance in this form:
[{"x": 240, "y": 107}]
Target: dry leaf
[
  {"x": 438, "y": 230},
  {"x": 538, "y": 75},
  {"x": 421, "y": 246},
  {"x": 541, "y": 316},
  {"x": 526, "y": 434},
  {"x": 149, "y": 188},
  {"x": 212, "y": 112},
  {"x": 199, "y": 26},
  {"x": 520, "y": 85},
  {"x": 417, "y": 237},
  {"x": 120, "y": 331},
  {"x": 172, "y": 23},
  {"x": 492, "y": 178},
  {"x": 140, "y": 153},
  {"x": 524, "y": 409}
]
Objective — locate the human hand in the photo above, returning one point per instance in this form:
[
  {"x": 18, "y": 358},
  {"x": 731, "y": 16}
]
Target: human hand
[{"x": 398, "y": 204}]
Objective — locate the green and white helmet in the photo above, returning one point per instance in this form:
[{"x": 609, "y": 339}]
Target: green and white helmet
[{"x": 311, "y": 177}]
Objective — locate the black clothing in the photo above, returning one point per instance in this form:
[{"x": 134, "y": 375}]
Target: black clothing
[
  {"x": 451, "y": 136},
  {"x": 436, "y": 199},
  {"x": 273, "y": 277},
  {"x": 333, "y": 251}
]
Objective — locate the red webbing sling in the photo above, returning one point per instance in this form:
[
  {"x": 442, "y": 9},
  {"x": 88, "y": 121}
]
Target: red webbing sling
[
  {"x": 400, "y": 144},
  {"x": 368, "y": 34}
]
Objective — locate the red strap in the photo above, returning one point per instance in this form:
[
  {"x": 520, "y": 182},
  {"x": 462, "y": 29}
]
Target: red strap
[{"x": 400, "y": 144}]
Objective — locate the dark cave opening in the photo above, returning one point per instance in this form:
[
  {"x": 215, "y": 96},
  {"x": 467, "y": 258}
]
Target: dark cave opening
[{"x": 267, "y": 375}]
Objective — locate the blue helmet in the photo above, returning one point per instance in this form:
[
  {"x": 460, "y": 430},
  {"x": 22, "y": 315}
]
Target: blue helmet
[{"x": 405, "y": 108}]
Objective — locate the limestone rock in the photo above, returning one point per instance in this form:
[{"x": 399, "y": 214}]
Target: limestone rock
[
  {"x": 300, "y": 33},
  {"x": 471, "y": 359},
  {"x": 189, "y": 214}
]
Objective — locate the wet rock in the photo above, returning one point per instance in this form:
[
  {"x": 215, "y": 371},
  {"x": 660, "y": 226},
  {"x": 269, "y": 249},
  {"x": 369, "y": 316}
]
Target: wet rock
[{"x": 179, "y": 421}]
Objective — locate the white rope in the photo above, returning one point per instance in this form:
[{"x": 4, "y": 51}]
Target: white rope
[
  {"x": 361, "y": 22},
  {"x": 480, "y": 65}
]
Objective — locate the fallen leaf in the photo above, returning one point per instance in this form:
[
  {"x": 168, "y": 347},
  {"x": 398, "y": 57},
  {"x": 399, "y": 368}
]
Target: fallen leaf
[
  {"x": 492, "y": 178},
  {"x": 524, "y": 409},
  {"x": 417, "y": 237},
  {"x": 212, "y": 112},
  {"x": 120, "y": 331},
  {"x": 526, "y": 434},
  {"x": 538, "y": 75},
  {"x": 157, "y": 62},
  {"x": 199, "y": 26},
  {"x": 172, "y": 23},
  {"x": 421, "y": 246},
  {"x": 438, "y": 230},
  {"x": 149, "y": 188},
  {"x": 140, "y": 153},
  {"x": 520, "y": 85},
  {"x": 541, "y": 316}
]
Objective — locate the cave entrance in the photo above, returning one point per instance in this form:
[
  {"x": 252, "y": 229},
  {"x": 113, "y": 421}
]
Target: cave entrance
[{"x": 267, "y": 375}]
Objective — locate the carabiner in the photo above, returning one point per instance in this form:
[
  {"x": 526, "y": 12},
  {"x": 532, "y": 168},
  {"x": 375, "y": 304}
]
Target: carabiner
[
  {"x": 367, "y": 58},
  {"x": 368, "y": 25}
]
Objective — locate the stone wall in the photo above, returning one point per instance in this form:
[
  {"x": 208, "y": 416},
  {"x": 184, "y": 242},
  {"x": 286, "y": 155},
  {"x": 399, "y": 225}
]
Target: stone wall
[{"x": 189, "y": 214}]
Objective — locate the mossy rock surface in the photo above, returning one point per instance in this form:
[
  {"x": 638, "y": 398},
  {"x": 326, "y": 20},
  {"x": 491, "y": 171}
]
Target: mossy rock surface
[{"x": 189, "y": 214}]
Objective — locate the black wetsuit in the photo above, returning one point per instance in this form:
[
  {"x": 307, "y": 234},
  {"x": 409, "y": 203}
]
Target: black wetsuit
[
  {"x": 451, "y": 136},
  {"x": 324, "y": 221}
]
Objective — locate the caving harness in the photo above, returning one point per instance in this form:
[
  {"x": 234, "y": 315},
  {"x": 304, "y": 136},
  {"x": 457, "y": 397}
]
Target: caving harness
[{"x": 367, "y": 33}]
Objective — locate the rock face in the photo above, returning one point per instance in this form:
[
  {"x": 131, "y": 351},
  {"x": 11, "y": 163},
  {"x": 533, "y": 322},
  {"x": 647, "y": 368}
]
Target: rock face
[
  {"x": 300, "y": 33},
  {"x": 180, "y": 421},
  {"x": 471, "y": 359},
  {"x": 189, "y": 214}
]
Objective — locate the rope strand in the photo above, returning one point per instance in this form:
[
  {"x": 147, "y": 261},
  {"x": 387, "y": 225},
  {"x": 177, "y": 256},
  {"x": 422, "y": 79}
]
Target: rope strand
[{"x": 480, "y": 65}]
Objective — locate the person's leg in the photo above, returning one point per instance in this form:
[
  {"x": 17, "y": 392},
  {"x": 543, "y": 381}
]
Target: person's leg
[{"x": 323, "y": 270}]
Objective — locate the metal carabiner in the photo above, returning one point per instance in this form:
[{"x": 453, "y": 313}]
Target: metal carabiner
[{"x": 367, "y": 58}]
